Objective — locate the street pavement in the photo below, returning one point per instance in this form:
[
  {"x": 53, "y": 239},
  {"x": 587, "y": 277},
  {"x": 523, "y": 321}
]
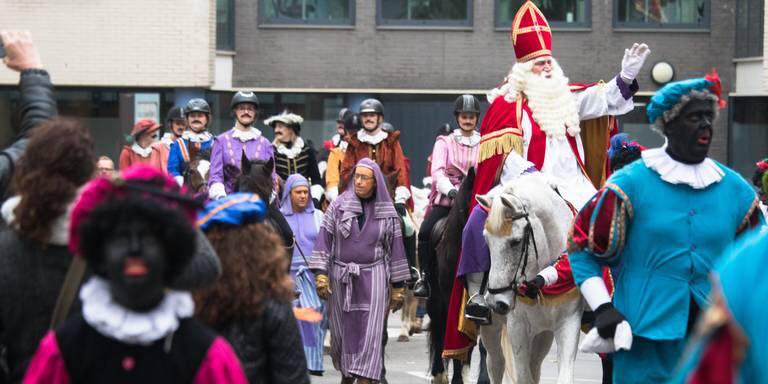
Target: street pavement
[{"x": 408, "y": 362}]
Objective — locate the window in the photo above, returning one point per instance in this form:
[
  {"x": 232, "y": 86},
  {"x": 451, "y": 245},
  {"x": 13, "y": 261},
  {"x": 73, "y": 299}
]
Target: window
[
  {"x": 662, "y": 13},
  {"x": 424, "y": 12},
  {"x": 748, "y": 136},
  {"x": 636, "y": 125},
  {"x": 225, "y": 25},
  {"x": 749, "y": 28},
  {"x": 563, "y": 13},
  {"x": 309, "y": 12}
]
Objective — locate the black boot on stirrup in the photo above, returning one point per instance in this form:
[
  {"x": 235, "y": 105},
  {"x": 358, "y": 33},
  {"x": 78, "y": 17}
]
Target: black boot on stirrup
[
  {"x": 421, "y": 288},
  {"x": 477, "y": 310}
]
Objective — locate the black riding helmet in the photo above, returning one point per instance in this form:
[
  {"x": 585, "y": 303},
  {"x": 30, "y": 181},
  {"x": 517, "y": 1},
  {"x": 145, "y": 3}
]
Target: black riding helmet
[
  {"x": 174, "y": 113},
  {"x": 244, "y": 97},
  {"x": 352, "y": 123},
  {"x": 466, "y": 104},
  {"x": 372, "y": 105},
  {"x": 197, "y": 105}
]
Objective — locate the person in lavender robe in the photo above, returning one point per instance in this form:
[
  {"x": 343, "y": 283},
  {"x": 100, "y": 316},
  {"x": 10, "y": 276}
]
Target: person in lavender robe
[
  {"x": 305, "y": 222},
  {"x": 229, "y": 148},
  {"x": 360, "y": 268}
]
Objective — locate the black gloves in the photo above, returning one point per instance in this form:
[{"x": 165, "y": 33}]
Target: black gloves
[
  {"x": 453, "y": 193},
  {"x": 606, "y": 320},
  {"x": 532, "y": 287},
  {"x": 400, "y": 208}
]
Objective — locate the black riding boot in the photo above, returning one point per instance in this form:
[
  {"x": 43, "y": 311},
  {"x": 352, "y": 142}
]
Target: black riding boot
[
  {"x": 421, "y": 288},
  {"x": 476, "y": 308}
]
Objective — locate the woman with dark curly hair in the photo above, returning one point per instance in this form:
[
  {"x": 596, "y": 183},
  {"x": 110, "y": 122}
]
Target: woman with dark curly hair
[
  {"x": 251, "y": 304},
  {"x": 58, "y": 161},
  {"x": 136, "y": 233}
]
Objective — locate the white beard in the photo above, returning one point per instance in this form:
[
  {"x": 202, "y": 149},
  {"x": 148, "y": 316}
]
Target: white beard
[{"x": 552, "y": 103}]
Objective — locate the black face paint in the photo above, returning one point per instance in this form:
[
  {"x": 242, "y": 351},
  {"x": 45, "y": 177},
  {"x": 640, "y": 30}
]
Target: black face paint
[
  {"x": 134, "y": 260},
  {"x": 689, "y": 135}
]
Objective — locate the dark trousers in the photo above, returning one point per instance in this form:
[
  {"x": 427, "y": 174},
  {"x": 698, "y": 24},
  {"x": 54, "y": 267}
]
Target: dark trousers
[{"x": 425, "y": 232}]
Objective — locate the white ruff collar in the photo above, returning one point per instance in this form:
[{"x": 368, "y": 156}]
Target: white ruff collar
[
  {"x": 197, "y": 137},
  {"x": 336, "y": 139},
  {"x": 469, "y": 141},
  {"x": 143, "y": 152},
  {"x": 168, "y": 138},
  {"x": 291, "y": 152},
  {"x": 697, "y": 176},
  {"x": 59, "y": 226},
  {"x": 143, "y": 328},
  {"x": 251, "y": 134},
  {"x": 366, "y": 137}
]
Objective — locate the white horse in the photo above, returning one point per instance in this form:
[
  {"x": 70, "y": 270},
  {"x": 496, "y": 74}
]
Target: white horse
[{"x": 526, "y": 231}]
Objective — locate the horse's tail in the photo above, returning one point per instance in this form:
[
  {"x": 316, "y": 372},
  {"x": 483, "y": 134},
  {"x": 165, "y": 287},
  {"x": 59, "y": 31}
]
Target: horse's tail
[{"x": 438, "y": 314}]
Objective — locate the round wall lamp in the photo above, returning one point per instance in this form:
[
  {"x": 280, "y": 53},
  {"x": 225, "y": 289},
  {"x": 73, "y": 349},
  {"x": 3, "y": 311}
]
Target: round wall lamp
[{"x": 662, "y": 73}]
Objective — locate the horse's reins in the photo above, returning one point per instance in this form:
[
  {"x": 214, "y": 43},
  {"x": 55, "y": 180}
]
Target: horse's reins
[{"x": 528, "y": 235}]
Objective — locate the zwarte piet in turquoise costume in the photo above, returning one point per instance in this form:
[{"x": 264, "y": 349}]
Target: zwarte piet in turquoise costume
[{"x": 665, "y": 220}]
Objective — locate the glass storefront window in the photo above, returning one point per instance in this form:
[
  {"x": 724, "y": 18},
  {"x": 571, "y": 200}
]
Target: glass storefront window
[
  {"x": 748, "y": 136},
  {"x": 636, "y": 125},
  {"x": 424, "y": 12},
  {"x": 661, "y": 13},
  {"x": 310, "y": 12},
  {"x": 564, "y": 13}
]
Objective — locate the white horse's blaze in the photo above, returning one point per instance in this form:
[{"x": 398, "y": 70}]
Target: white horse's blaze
[{"x": 531, "y": 328}]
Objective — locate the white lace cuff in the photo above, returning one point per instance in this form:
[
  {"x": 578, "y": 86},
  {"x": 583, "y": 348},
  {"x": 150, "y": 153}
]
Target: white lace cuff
[
  {"x": 402, "y": 194},
  {"x": 594, "y": 291},
  {"x": 217, "y": 191},
  {"x": 549, "y": 274}
]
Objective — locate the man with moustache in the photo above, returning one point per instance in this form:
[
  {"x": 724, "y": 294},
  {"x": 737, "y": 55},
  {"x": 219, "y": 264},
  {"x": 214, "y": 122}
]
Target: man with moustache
[
  {"x": 382, "y": 147},
  {"x": 196, "y": 141},
  {"x": 532, "y": 124},
  {"x": 665, "y": 221},
  {"x": 230, "y": 147},
  {"x": 452, "y": 157},
  {"x": 293, "y": 154},
  {"x": 175, "y": 124}
]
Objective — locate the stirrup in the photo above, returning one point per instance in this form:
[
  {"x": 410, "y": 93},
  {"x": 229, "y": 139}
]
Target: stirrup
[
  {"x": 421, "y": 288},
  {"x": 477, "y": 312}
]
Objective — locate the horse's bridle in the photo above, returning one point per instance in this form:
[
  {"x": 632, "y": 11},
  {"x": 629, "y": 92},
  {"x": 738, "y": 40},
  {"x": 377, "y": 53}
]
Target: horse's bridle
[{"x": 528, "y": 236}]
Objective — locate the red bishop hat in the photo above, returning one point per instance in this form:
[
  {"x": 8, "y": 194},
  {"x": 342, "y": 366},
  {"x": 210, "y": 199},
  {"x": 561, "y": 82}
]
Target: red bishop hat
[{"x": 530, "y": 34}]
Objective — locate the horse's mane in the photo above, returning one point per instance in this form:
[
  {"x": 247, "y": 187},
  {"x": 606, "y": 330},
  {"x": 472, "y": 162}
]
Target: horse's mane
[
  {"x": 498, "y": 220},
  {"x": 457, "y": 217}
]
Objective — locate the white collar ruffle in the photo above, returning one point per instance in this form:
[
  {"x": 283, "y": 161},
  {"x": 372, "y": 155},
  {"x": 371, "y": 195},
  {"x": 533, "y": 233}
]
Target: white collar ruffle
[
  {"x": 366, "y": 137},
  {"x": 291, "y": 152},
  {"x": 336, "y": 139},
  {"x": 251, "y": 134},
  {"x": 697, "y": 176},
  {"x": 143, "y": 328},
  {"x": 59, "y": 226},
  {"x": 469, "y": 141},
  {"x": 197, "y": 137},
  {"x": 143, "y": 152},
  {"x": 168, "y": 138}
]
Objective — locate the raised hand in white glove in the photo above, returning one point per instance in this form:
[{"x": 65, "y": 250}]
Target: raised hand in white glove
[{"x": 633, "y": 61}]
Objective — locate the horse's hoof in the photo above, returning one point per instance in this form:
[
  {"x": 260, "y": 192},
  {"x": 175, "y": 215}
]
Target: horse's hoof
[
  {"x": 440, "y": 378},
  {"x": 402, "y": 338}
]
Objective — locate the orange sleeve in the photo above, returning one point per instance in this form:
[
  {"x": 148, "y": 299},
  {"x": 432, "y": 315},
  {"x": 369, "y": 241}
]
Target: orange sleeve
[{"x": 125, "y": 159}]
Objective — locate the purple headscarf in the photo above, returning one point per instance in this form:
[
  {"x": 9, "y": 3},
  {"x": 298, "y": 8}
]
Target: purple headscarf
[
  {"x": 351, "y": 205},
  {"x": 293, "y": 181}
]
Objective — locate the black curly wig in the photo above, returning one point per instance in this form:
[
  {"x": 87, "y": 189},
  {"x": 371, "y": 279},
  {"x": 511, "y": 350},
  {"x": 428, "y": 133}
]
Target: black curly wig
[
  {"x": 624, "y": 156},
  {"x": 174, "y": 231}
]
